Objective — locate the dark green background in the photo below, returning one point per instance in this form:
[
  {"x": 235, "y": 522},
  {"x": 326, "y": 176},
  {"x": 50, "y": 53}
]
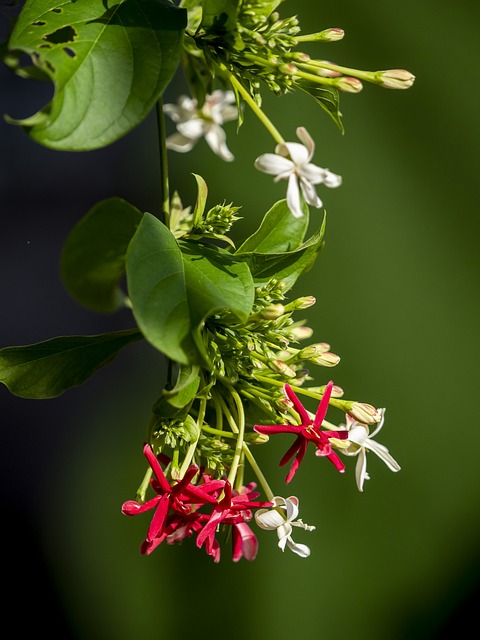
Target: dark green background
[{"x": 397, "y": 298}]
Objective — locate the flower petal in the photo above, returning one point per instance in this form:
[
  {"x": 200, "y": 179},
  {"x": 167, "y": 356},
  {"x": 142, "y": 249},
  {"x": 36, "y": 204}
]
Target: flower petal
[
  {"x": 177, "y": 142},
  {"x": 297, "y": 152},
  {"x": 269, "y": 519},
  {"x": 273, "y": 164},
  {"x": 216, "y": 137},
  {"x": 361, "y": 469},
  {"x": 293, "y": 196},
  {"x": 300, "y": 549},
  {"x": 307, "y": 140}
]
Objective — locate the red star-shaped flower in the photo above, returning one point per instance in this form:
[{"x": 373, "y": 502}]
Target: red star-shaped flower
[
  {"x": 179, "y": 499},
  {"x": 307, "y": 431}
]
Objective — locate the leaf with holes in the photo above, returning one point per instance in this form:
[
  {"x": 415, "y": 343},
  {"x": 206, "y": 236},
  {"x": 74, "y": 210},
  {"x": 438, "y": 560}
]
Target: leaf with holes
[{"x": 109, "y": 65}]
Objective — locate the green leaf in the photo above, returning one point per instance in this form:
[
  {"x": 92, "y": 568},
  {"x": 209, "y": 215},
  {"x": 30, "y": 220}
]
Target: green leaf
[
  {"x": 157, "y": 290},
  {"x": 279, "y": 231},
  {"x": 109, "y": 65},
  {"x": 286, "y": 266},
  {"x": 172, "y": 401},
  {"x": 174, "y": 287},
  {"x": 216, "y": 281},
  {"x": 47, "y": 369},
  {"x": 328, "y": 99},
  {"x": 93, "y": 256},
  {"x": 219, "y": 16}
]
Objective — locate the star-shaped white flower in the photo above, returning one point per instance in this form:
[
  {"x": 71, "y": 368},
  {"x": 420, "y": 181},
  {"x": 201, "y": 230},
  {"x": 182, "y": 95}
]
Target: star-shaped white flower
[
  {"x": 291, "y": 161},
  {"x": 360, "y": 441},
  {"x": 282, "y": 517},
  {"x": 193, "y": 123}
]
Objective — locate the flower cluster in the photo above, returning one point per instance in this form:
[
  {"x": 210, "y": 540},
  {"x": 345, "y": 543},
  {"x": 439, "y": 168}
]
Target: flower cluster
[
  {"x": 218, "y": 310},
  {"x": 245, "y": 387}
]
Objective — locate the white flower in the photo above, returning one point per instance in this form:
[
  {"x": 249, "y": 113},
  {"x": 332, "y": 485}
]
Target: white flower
[
  {"x": 193, "y": 123},
  {"x": 360, "y": 441},
  {"x": 291, "y": 161},
  {"x": 272, "y": 519}
]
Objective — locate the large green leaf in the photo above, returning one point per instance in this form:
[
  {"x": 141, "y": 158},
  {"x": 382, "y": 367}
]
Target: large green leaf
[
  {"x": 216, "y": 281},
  {"x": 173, "y": 289},
  {"x": 110, "y": 62},
  {"x": 157, "y": 291},
  {"x": 47, "y": 369},
  {"x": 288, "y": 265},
  {"x": 279, "y": 231},
  {"x": 93, "y": 256}
]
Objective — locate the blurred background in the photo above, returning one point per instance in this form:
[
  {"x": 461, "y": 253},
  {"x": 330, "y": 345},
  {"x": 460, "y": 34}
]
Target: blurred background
[{"x": 397, "y": 298}]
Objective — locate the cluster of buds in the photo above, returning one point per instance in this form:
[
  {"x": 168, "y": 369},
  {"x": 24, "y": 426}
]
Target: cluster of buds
[{"x": 263, "y": 47}]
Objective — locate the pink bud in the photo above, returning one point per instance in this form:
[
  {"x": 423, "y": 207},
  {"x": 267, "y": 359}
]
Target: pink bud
[{"x": 349, "y": 85}]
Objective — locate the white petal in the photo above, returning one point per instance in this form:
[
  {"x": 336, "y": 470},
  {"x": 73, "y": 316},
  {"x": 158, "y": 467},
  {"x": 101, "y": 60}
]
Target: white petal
[
  {"x": 215, "y": 137},
  {"x": 332, "y": 180},
  {"x": 307, "y": 140},
  {"x": 273, "y": 164},
  {"x": 269, "y": 519},
  {"x": 361, "y": 469},
  {"x": 358, "y": 434},
  {"x": 383, "y": 453},
  {"x": 293, "y": 196},
  {"x": 180, "y": 143},
  {"x": 298, "y": 153},
  {"x": 381, "y": 413},
  {"x": 292, "y": 508},
  {"x": 300, "y": 549},
  {"x": 310, "y": 194},
  {"x": 314, "y": 174},
  {"x": 194, "y": 128}
]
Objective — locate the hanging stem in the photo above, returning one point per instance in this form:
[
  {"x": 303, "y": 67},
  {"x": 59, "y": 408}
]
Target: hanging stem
[
  {"x": 241, "y": 431},
  {"x": 258, "y": 472},
  {"x": 163, "y": 161},
  {"x": 268, "y": 124}
]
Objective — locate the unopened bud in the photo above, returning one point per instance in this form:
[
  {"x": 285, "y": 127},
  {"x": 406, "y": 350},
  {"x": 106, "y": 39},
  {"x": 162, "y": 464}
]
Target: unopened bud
[
  {"x": 363, "y": 412},
  {"x": 283, "y": 368},
  {"x": 288, "y": 69},
  {"x": 349, "y": 85},
  {"x": 256, "y": 438},
  {"x": 273, "y": 311},
  {"x": 326, "y": 73},
  {"x": 314, "y": 350},
  {"x": 327, "y": 35},
  {"x": 301, "y": 303},
  {"x": 301, "y": 333},
  {"x": 326, "y": 359},
  {"x": 332, "y": 35},
  {"x": 396, "y": 79}
]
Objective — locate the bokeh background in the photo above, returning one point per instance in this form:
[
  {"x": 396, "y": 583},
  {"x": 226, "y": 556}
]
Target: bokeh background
[{"x": 397, "y": 290}]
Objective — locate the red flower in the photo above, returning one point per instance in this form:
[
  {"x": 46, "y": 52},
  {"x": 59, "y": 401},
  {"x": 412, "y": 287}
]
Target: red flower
[
  {"x": 307, "y": 431},
  {"x": 233, "y": 509},
  {"x": 172, "y": 503}
]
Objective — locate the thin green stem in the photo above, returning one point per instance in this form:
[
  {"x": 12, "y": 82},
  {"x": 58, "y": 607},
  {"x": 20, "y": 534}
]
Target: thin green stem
[
  {"x": 191, "y": 449},
  {"x": 142, "y": 489},
  {"x": 368, "y": 76},
  {"x": 241, "y": 432},
  {"x": 258, "y": 472},
  {"x": 163, "y": 161},
  {"x": 268, "y": 124}
]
